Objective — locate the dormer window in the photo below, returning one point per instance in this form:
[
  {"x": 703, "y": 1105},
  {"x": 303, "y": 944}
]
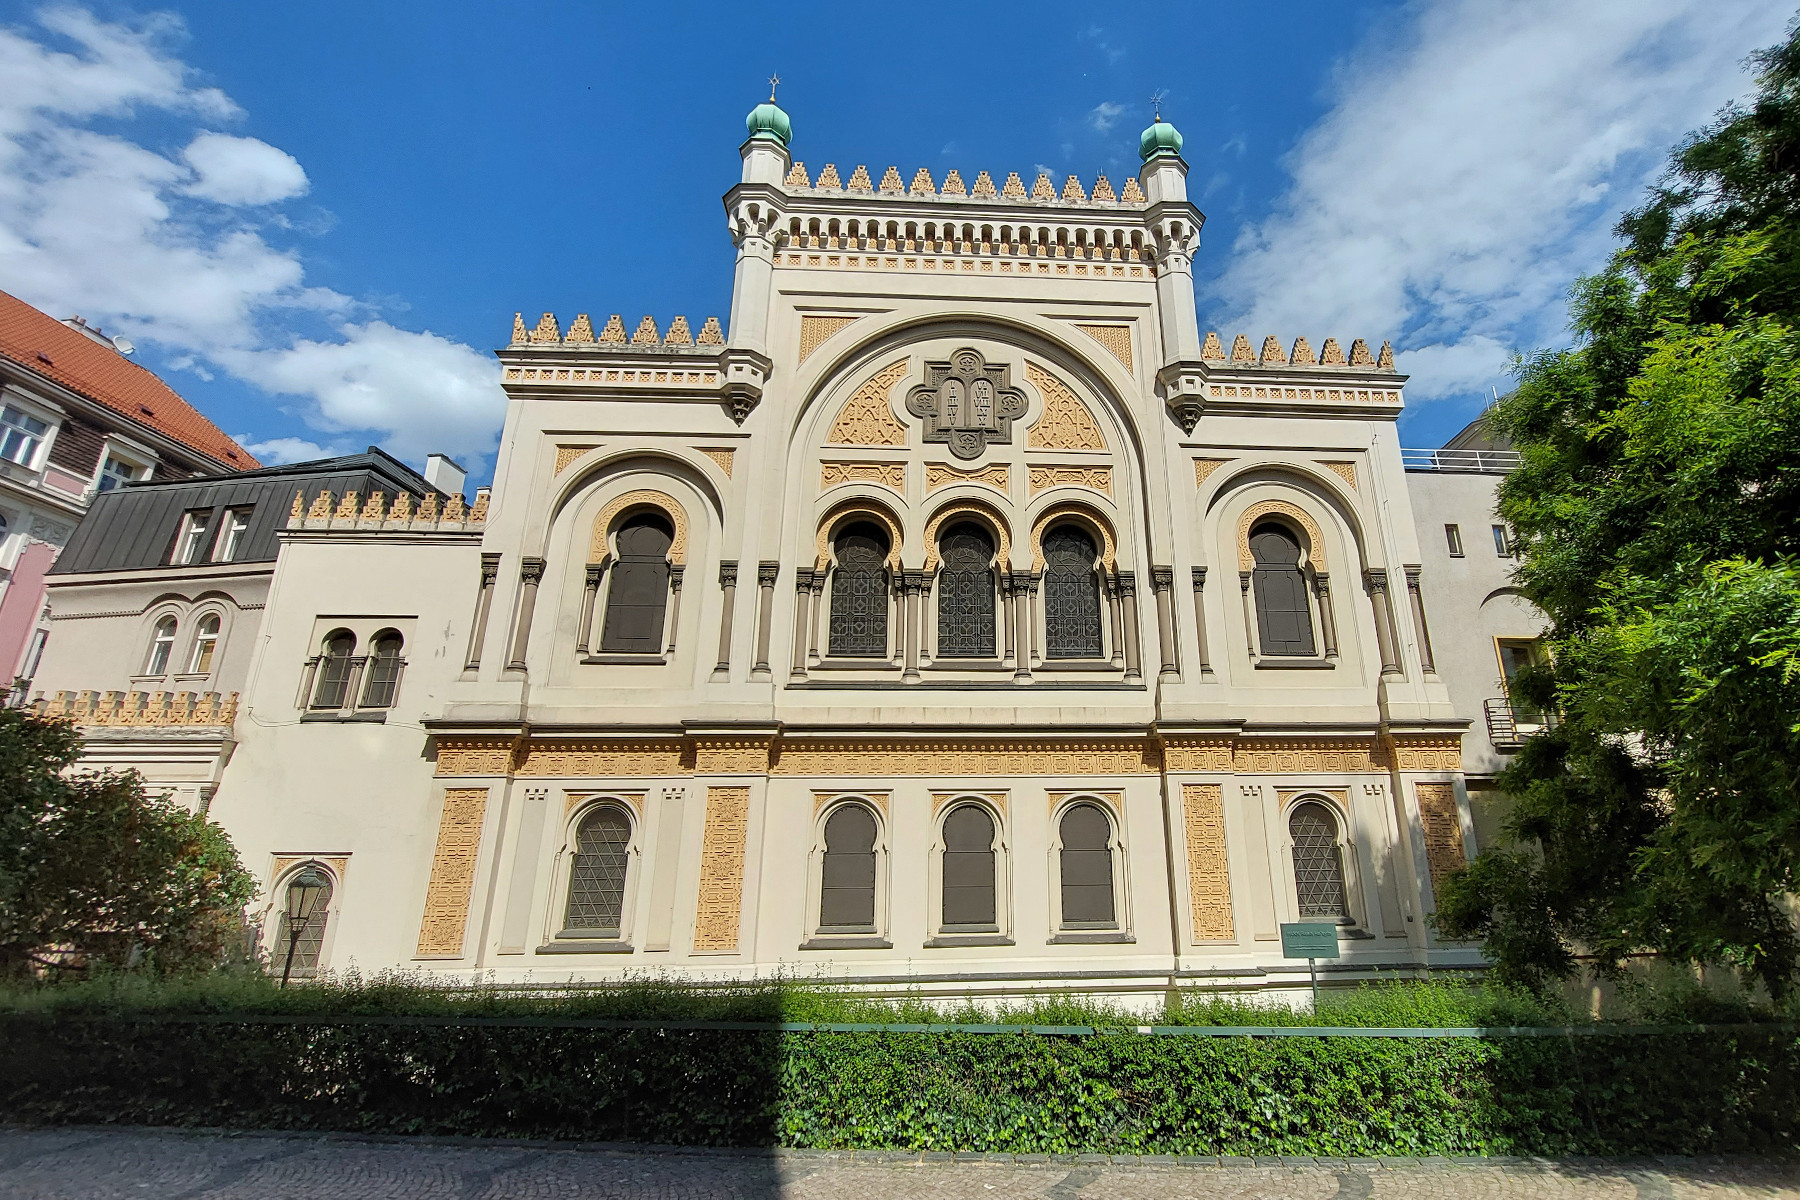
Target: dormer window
[
  {"x": 20, "y": 436},
  {"x": 191, "y": 542},
  {"x": 231, "y": 534},
  {"x": 117, "y": 472}
]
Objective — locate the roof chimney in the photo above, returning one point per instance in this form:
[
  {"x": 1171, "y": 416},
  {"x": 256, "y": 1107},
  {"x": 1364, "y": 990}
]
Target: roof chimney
[{"x": 444, "y": 474}]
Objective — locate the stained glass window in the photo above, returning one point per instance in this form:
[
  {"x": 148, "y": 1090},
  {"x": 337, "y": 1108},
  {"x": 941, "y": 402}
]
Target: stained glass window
[
  {"x": 859, "y": 594},
  {"x": 966, "y": 593},
  {"x": 1318, "y": 865},
  {"x": 597, "y": 876},
  {"x": 1071, "y": 595}
]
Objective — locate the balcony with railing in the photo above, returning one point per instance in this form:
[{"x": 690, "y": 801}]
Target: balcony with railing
[
  {"x": 1468, "y": 462},
  {"x": 1508, "y": 727}
]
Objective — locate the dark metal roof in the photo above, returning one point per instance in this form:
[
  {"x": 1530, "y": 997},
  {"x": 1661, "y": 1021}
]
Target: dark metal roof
[{"x": 134, "y": 527}]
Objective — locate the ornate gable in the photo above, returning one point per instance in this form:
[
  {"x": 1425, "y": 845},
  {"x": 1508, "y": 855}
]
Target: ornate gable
[{"x": 966, "y": 404}]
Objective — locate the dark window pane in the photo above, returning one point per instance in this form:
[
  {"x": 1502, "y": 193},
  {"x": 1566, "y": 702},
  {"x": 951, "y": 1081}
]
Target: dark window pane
[
  {"x": 309, "y": 943},
  {"x": 1283, "y": 616},
  {"x": 383, "y": 672},
  {"x": 1071, "y": 595},
  {"x": 848, "y": 895},
  {"x": 859, "y": 594},
  {"x": 1318, "y": 867},
  {"x": 334, "y": 671},
  {"x": 969, "y": 867},
  {"x": 597, "y": 876},
  {"x": 1087, "y": 891},
  {"x": 639, "y": 589},
  {"x": 966, "y": 594}
]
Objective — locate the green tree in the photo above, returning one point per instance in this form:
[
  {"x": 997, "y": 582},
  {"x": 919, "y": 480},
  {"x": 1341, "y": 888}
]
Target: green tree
[
  {"x": 1658, "y": 510},
  {"x": 92, "y": 870}
]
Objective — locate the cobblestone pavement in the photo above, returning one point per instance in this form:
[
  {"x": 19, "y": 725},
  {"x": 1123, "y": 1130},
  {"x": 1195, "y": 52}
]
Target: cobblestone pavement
[{"x": 52, "y": 1164}]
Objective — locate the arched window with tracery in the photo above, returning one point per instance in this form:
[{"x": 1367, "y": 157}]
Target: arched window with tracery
[
  {"x": 965, "y": 586},
  {"x": 1087, "y": 868},
  {"x": 1283, "y": 614},
  {"x": 383, "y": 680},
  {"x": 597, "y": 874},
  {"x": 847, "y": 883},
  {"x": 859, "y": 592},
  {"x": 969, "y": 901},
  {"x": 638, "y": 594},
  {"x": 1071, "y": 594},
  {"x": 335, "y": 666},
  {"x": 1318, "y": 863}
]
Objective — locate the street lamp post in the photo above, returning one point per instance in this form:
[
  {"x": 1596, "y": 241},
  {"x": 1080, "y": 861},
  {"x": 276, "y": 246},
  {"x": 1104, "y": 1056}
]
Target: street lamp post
[{"x": 303, "y": 895}]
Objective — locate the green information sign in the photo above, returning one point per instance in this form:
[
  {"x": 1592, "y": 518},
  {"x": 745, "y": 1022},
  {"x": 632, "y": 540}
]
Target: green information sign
[{"x": 1309, "y": 939}]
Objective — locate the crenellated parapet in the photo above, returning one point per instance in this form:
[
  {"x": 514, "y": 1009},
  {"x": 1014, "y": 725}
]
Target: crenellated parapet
[
  {"x": 646, "y": 337},
  {"x": 205, "y": 709},
  {"x": 1331, "y": 354},
  {"x": 377, "y": 513},
  {"x": 1043, "y": 191},
  {"x": 1249, "y": 378}
]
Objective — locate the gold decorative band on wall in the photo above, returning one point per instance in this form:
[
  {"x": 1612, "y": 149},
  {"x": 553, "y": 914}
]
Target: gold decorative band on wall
[
  {"x": 452, "y": 873},
  {"x": 997, "y": 476},
  {"x": 887, "y": 474},
  {"x": 717, "y": 913},
  {"x": 877, "y": 758},
  {"x": 1209, "y": 870},
  {"x": 1443, "y": 830},
  {"x": 626, "y": 760},
  {"x": 1097, "y": 478}
]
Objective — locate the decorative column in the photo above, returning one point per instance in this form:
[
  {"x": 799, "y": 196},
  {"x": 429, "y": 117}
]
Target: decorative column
[
  {"x": 728, "y": 588},
  {"x": 531, "y": 573},
  {"x": 484, "y": 599},
  {"x": 1162, "y": 580},
  {"x": 1128, "y": 592},
  {"x": 675, "y": 573},
  {"x": 1114, "y": 603},
  {"x": 1249, "y": 614},
  {"x": 1418, "y": 614},
  {"x": 1009, "y": 615},
  {"x": 766, "y": 574},
  {"x": 1327, "y": 620},
  {"x": 596, "y": 572},
  {"x": 1376, "y": 582},
  {"x": 1022, "y": 592},
  {"x": 912, "y": 587},
  {"x": 802, "y": 607},
  {"x": 922, "y": 617},
  {"x": 1199, "y": 574}
]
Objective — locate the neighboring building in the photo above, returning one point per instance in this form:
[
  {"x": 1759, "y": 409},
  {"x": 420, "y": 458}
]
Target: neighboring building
[
  {"x": 156, "y": 604},
  {"x": 77, "y": 418},
  {"x": 961, "y": 619}
]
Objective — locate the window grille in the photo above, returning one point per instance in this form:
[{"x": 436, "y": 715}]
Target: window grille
[
  {"x": 859, "y": 594},
  {"x": 1087, "y": 878},
  {"x": 966, "y": 594},
  {"x": 969, "y": 868},
  {"x": 1071, "y": 595},
  {"x": 1318, "y": 862},
  {"x": 309, "y": 941},
  {"x": 1283, "y": 615},
  {"x": 384, "y": 671},
  {"x": 334, "y": 670},
  {"x": 597, "y": 875},
  {"x": 639, "y": 591},
  {"x": 847, "y": 894},
  {"x": 162, "y": 644},
  {"x": 206, "y": 641},
  {"x": 20, "y": 436}
]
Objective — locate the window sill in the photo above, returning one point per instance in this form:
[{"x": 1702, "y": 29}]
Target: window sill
[
  {"x": 573, "y": 947},
  {"x": 1096, "y": 937},
  {"x": 829, "y": 942},
  {"x": 883, "y": 664},
  {"x": 371, "y": 717},
  {"x": 946, "y": 664},
  {"x": 622, "y": 660},
  {"x": 943, "y": 940},
  {"x": 1078, "y": 664},
  {"x": 1295, "y": 664}
]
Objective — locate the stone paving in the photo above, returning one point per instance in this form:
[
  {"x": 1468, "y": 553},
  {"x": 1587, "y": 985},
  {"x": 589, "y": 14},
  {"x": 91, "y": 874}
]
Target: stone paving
[{"x": 86, "y": 1163}]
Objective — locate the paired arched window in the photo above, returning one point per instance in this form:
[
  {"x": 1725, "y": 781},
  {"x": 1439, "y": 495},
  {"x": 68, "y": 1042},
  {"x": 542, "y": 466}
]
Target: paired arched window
[
  {"x": 307, "y": 940},
  {"x": 1071, "y": 594},
  {"x": 847, "y": 884},
  {"x": 206, "y": 644},
  {"x": 335, "y": 665},
  {"x": 638, "y": 594},
  {"x": 597, "y": 874},
  {"x": 1283, "y": 614},
  {"x": 1087, "y": 868},
  {"x": 162, "y": 645},
  {"x": 1318, "y": 863},
  {"x": 969, "y": 874},
  {"x": 859, "y": 593},
  {"x": 965, "y": 614},
  {"x": 383, "y": 678}
]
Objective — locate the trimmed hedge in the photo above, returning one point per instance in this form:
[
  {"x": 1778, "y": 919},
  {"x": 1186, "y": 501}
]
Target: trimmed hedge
[{"x": 1680, "y": 1091}]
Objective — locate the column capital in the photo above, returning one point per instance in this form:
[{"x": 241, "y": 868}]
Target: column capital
[
  {"x": 1199, "y": 574},
  {"x": 767, "y": 573},
  {"x": 531, "y": 570},
  {"x": 1162, "y": 578},
  {"x": 728, "y": 574}
]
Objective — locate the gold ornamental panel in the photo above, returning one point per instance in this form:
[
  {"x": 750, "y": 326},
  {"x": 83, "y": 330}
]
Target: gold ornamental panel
[
  {"x": 719, "y": 910},
  {"x": 474, "y": 756},
  {"x": 881, "y": 757},
  {"x": 1197, "y": 754},
  {"x": 1308, "y": 756},
  {"x": 1066, "y": 423},
  {"x": 1434, "y": 752},
  {"x": 1209, "y": 871},
  {"x": 1315, "y": 552},
  {"x": 867, "y": 417},
  {"x": 452, "y": 873},
  {"x": 597, "y": 548},
  {"x": 605, "y": 759},
  {"x": 1443, "y": 831}
]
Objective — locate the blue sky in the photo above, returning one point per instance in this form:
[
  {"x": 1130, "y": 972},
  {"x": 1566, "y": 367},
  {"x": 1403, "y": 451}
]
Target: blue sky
[{"x": 317, "y": 220}]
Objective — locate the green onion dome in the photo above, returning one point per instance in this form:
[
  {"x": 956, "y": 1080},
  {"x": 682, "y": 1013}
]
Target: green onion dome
[
  {"x": 767, "y": 120},
  {"x": 1161, "y": 138}
]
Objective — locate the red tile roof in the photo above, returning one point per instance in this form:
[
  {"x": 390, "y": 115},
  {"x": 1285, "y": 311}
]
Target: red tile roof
[{"x": 43, "y": 344}]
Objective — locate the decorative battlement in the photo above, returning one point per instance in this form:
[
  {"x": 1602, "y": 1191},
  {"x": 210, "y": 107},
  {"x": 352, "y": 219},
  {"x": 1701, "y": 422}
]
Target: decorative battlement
[
  {"x": 1272, "y": 355},
  {"x": 141, "y": 708},
  {"x": 647, "y": 337},
  {"x": 405, "y": 513},
  {"x": 954, "y": 190}
]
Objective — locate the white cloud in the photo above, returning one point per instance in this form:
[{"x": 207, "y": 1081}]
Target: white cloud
[
  {"x": 1448, "y": 200},
  {"x": 177, "y": 250},
  {"x": 1105, "y": 115},
  {"x": 276, "y": 452},
  {"x": 242, "y": 170}
]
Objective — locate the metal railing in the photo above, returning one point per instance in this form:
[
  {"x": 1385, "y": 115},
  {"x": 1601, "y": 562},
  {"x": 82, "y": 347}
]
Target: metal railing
[
  {"x": 1508, "y": 727},
  {"x": 1489, "y": 462}
]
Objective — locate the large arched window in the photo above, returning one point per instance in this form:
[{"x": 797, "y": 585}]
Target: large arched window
[
  {"x": 383, "y": 678},
  {"x": 1071, "y": 594},
  {"x": 597, "y": 874},
  {"x": 206, "y": 645},
  {"x": 847, "y": 885},
  {"x": 1318, "y": 863},
  {"x": 162, "y": 644},
  {"x": 859, "y": 593},
  {"x": 1087, "y": 869},
  {"x": 969, "y": 869},
  {"x": 335, "y": 666},
  {"x": 639, "y": 591},
  {"x": 1283, "y": 616},
  {"x": 965, "y": 625}
]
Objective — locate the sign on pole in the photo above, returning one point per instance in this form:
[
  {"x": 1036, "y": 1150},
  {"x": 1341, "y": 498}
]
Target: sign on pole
[{"x": 1311, "y": 940}]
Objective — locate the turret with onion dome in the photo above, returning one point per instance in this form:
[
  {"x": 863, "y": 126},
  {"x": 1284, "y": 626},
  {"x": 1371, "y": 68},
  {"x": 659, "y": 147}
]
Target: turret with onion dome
[
  {"x": 1160, "y": 139},
  {"x": 767, "y": 120}
]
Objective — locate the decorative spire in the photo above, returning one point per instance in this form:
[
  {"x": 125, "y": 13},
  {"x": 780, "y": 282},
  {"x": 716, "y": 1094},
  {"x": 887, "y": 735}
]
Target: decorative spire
[
  {"x": 1359, "y": 354},
  {"x": 679, "y": 333},
  {"x": 890, "y": 182},
  {"x": 581, "y": 331},
  {"x": 1303, "y": 354},
  {"x": 984, "y": 186},
  {"x": 921, "y": 184},
  {"x": 711, "y": 334},
  {"x": 953, "y": 184},
  {"x": 859, "y": 180},
  {"x": 1331, "y": 354},
  {"x": 614, "y": 332},
  {"x": 1271, "y": 352},
  {"x": 828, "y": 178},
  {"x": 646, "y": 334},
  {"x": 796, "y": 177},
  {"x": 1103, "y": 191},
  {"x": 1133, "y": 193},
  {"x": 1212, "y": 351},
  {"x": 1014, "y": 189},
  {"x": 1072, "y": 193},
  {"x": 1385, "y": 360},
  {"x": 519, "y": 335},
  {"x": 1240, "y": 350},
  {"x": 1043, "y": 189},
  {"x": 546, "y": 332}
]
